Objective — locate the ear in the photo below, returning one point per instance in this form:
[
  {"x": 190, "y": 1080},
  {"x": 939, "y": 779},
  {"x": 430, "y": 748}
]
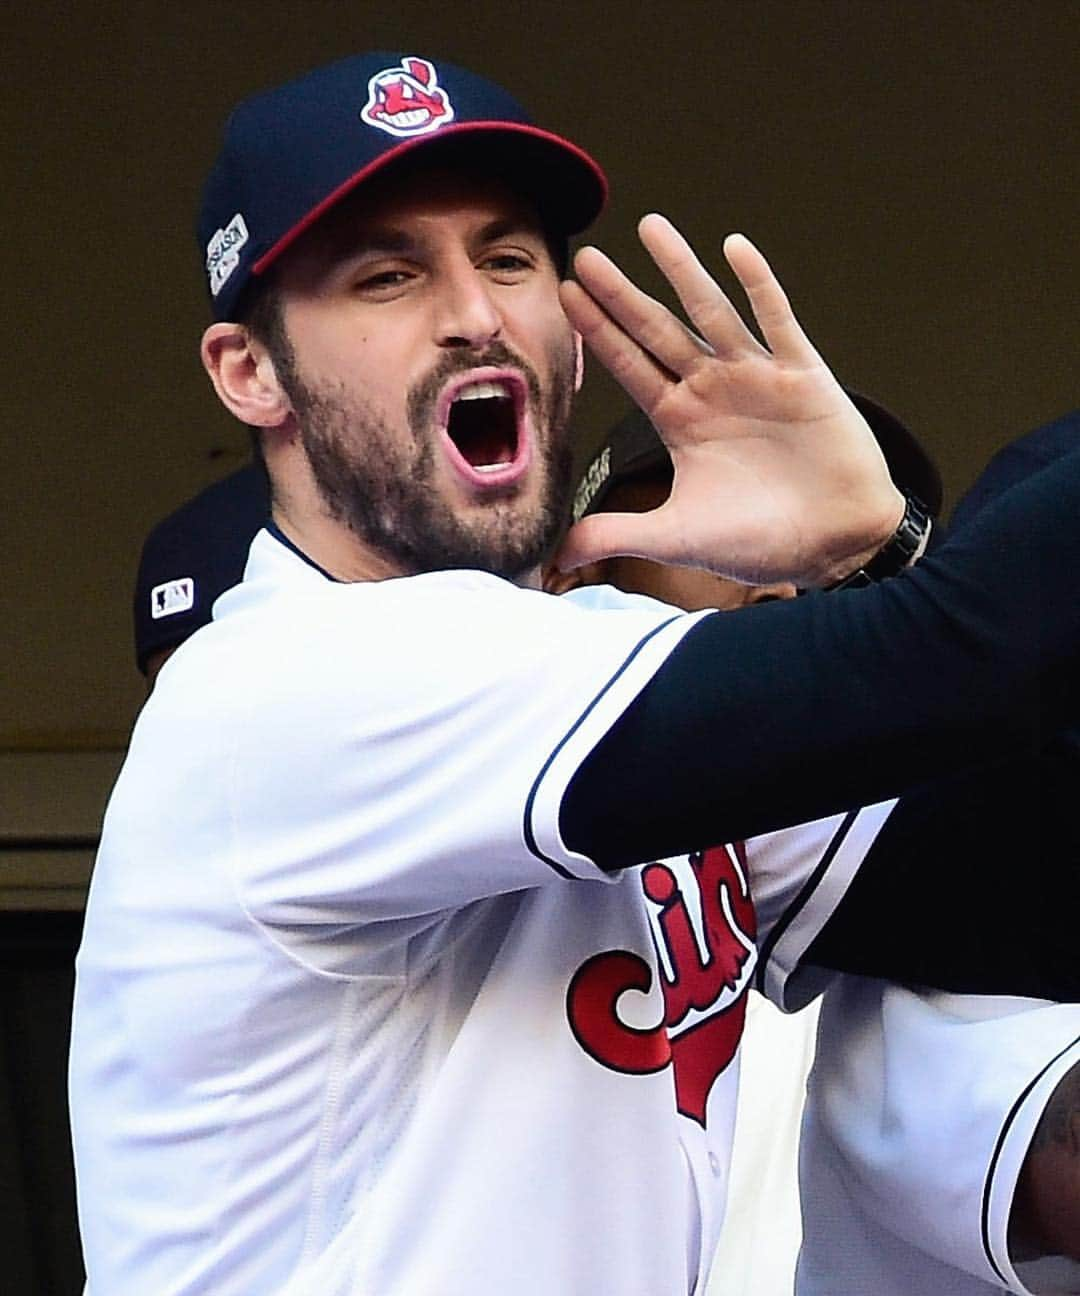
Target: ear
[
  {"x": 560, "y": 582},
  {"x": 769, "y": 593},
  {"x": 244, "y": 376},
  {"x": 579, "y": 361}
]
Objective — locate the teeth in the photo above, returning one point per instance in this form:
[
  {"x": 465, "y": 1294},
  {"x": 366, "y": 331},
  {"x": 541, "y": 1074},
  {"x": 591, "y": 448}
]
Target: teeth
[
  {"x": 482, "y": 391},
  {"x": 488, "y": 468}
]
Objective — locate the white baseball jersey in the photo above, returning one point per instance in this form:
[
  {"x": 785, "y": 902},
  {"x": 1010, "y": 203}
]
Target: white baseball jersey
[
  {"x": 350, "y": 1018},
  {"x": 921, "y": 1108}
]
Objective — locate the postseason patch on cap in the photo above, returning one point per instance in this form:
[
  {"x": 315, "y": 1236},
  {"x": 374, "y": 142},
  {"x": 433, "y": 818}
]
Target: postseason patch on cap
[
  {"x": 595, "y": 476},
  {"x": 172, "y": 597},
  {"x": 223, "y": 252},
  {"x": 407, "y": 100}
]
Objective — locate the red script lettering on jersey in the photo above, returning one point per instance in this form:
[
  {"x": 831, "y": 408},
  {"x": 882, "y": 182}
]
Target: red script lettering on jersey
[{"x": 705, "y": 950}]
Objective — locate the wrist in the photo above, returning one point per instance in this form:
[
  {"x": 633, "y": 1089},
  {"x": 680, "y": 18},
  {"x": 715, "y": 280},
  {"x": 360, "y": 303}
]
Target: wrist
[{"x": 904, "y": 546}]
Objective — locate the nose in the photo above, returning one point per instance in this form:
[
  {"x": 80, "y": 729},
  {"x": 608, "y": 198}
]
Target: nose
[{"x": 467, "y": 314}]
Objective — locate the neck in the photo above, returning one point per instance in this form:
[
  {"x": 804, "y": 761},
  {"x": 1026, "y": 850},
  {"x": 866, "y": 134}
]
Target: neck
[
  {"x": 346, "y": 558},
  {"x": 301, "y": 515},
  {"x": 333, "y": 547}
]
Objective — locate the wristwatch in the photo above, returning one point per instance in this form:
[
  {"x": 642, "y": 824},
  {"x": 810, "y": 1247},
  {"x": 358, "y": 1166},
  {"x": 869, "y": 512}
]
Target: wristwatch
[{"x": 906, "y": 544}]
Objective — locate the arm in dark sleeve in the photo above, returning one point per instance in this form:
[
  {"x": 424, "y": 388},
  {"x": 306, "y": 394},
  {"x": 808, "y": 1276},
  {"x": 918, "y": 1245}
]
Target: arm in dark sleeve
[
  {"x": 788, "y": 712},
  {"x": 973, "y": 884}
]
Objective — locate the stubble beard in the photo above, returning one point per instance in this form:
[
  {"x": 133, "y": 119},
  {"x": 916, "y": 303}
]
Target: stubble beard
[{"x": 385, "y": 491}]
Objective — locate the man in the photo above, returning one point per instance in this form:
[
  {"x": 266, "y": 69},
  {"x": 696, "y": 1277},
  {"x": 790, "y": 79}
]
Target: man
[
  {"x": 210, "y": 536},
  {"x": 195, "y": 554},
  {"x": 366, "y": 1001}
]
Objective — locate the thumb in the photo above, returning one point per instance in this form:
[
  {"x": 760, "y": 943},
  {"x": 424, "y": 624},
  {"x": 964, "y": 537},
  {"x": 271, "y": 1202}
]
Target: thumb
[{"x": 607, "y": 535}]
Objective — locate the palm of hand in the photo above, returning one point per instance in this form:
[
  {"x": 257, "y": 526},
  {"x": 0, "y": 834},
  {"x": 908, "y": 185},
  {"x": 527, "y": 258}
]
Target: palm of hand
[{"x": 777, "y": 476}]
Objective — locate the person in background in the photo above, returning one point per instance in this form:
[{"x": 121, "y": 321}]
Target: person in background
[
  {"x": 189, "y": 558},
  {"x": 759, "y": 1240},
  {"x": 932, "y": 1115},
  {"x": 918, "y": 1146}
]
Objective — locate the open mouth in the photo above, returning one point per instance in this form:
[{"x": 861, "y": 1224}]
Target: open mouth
[{"x": 484, "y": 426}]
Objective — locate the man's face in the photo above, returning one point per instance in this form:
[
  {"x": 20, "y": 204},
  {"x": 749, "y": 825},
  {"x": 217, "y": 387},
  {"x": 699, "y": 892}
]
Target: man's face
[{"x": 432, "y": 370}]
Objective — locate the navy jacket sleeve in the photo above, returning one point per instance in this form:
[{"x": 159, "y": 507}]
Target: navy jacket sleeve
[
  {"x": 790, "y": 711},
  {"x": 972, "y": 885}
]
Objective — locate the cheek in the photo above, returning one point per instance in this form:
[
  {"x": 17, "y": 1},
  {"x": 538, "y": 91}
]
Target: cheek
[
  {"x": 340, "y": 346},
  {"x": 536, "y": 325},
  {"x": 367, "y": 372}
]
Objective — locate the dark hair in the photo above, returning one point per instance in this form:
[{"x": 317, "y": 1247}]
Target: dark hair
[{"x": 261, "y": 312}]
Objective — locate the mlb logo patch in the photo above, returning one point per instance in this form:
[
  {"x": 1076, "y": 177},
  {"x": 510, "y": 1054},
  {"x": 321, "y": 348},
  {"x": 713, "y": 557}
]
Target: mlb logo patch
[
  {"x": 171, "y": 597},
  {"x": 407, "y": 100}
]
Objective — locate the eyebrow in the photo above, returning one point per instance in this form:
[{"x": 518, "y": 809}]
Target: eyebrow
[
  {"x": 376, "y": 242},
  {"x": 387, "y": 241},
  {"x": 507, "y": 226}
]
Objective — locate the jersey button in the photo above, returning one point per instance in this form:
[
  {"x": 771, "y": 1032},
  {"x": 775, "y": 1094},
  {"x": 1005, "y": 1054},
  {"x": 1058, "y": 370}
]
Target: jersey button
[{"x": 714, "y": 1162}]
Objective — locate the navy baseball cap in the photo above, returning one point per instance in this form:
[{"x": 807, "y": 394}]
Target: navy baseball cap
[
  {"x": 633, "y": 449},
  {"x": 192, "y": 556},
  {"x": 289, "y": 154}
]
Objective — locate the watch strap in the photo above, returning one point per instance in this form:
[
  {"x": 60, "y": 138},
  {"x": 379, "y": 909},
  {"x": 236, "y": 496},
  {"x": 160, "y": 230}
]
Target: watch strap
[{"x": 905, "y": 545}]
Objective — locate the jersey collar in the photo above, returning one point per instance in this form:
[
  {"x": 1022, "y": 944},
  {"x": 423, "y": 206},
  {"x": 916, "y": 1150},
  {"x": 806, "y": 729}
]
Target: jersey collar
[{"x": 282, "y": 538}]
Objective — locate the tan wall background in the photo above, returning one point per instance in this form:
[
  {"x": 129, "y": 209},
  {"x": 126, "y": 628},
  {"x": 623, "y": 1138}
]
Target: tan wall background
[{"x": 911, "y": 168}]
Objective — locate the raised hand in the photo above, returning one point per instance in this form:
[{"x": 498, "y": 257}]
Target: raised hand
[{"x": 777, "y": 476}]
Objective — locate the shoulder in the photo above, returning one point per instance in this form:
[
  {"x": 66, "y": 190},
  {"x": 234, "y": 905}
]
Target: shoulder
[
  {"x": 309, "y": 642},
  {"x": 424, "y": 614}
]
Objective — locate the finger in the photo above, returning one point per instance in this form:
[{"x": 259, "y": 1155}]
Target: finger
[
  {"x": 606, "y": 535},
  {"x": 702, "y": 297},
  {"x": 772, "y": 310},
  {"x": 643, "y": 380},
  {"x": 646, "y": 320}
]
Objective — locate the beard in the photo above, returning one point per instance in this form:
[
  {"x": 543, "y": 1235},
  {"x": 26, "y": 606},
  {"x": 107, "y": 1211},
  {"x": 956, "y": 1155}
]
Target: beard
[{"x": 385, "y": 490}]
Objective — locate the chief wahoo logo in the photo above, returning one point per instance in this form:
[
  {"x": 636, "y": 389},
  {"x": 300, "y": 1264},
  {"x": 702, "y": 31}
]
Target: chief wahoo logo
[
  {"x": 407, "y": 100},
  {"x": 706, "y": 955}
]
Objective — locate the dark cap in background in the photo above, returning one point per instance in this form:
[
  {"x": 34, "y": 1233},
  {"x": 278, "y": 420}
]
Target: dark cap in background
[
  {"x": 194, "y": 555},
  {"x": 633, "y": 449}
]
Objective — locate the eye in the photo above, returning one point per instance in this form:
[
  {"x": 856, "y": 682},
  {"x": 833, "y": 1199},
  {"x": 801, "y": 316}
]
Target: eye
[
  {"x": 508, "y": 261},
  {"x": 509, "y": 264},
  {"x": 382, "y": 283}
]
